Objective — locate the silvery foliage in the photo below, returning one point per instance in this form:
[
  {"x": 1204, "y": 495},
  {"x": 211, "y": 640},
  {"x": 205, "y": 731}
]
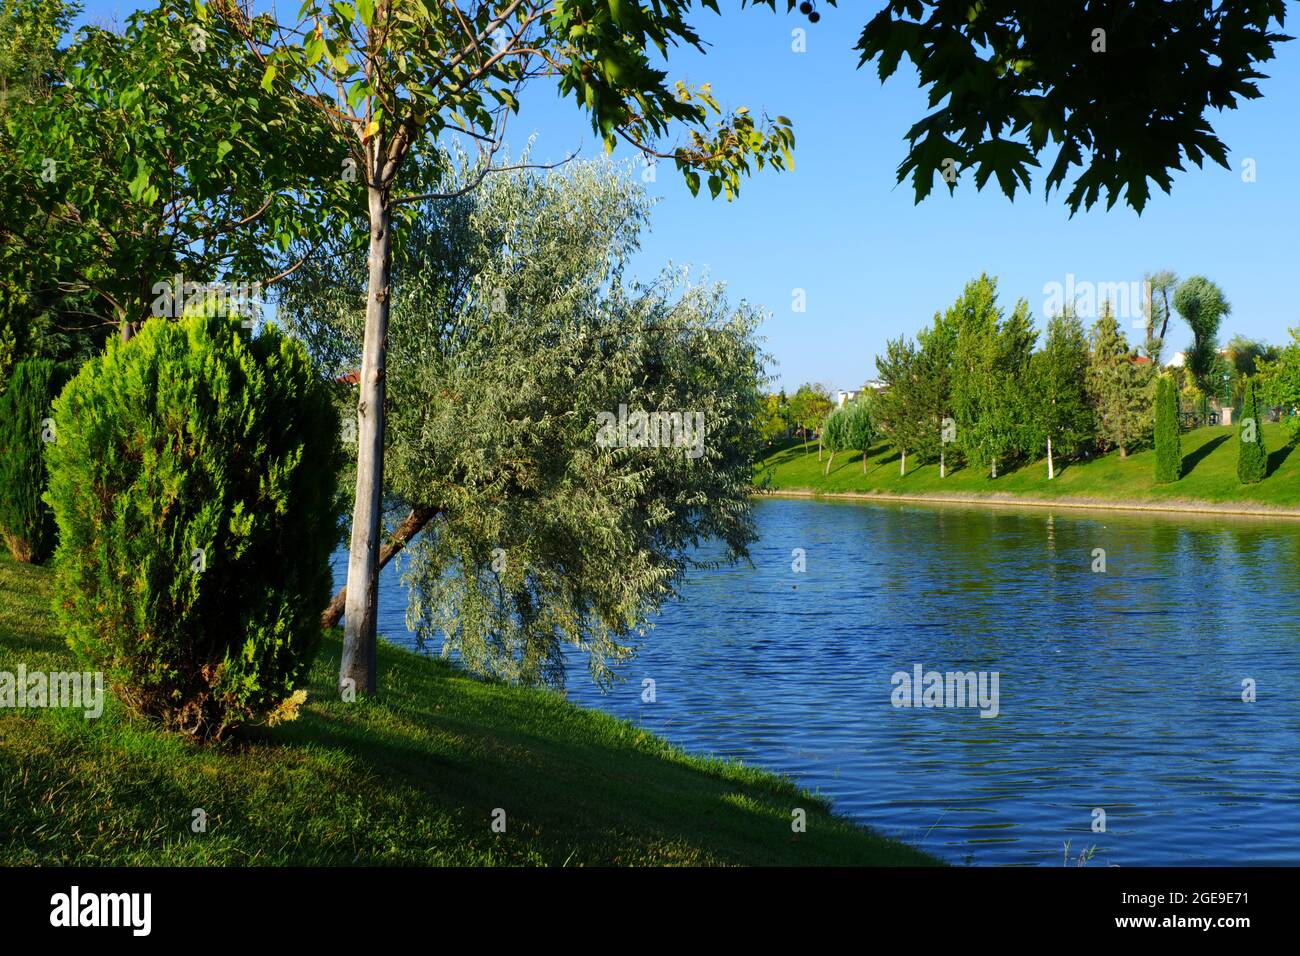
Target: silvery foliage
[{"x": 514, "y": 325}]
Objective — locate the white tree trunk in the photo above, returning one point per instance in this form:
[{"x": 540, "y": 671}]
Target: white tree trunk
[
  {"x": 829, "y": 461},
  {"x": 995, "y": 467},
  {"x": 942, "y": 472},
  {"x": 358, "y": 663},
  {"x": 902, "y": 464},
  {"x": 1051, "y": 470}
]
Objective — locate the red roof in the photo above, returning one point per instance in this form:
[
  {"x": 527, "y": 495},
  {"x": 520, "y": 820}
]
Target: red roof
[{"x": 350, "y": 378}]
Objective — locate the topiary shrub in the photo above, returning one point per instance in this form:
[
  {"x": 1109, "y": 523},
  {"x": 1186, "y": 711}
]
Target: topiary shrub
[
  {"x": 193, "y": 484},
  {"x": 1252, "y": 456},
  {"x": 26, "y": 523},
  {"x": 1169, "y": 440}
]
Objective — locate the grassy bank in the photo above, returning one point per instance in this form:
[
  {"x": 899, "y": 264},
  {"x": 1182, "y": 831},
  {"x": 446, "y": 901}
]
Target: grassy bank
[
  {"x": 1209, "y": 475},
  {"x": 412, "y": 778}
]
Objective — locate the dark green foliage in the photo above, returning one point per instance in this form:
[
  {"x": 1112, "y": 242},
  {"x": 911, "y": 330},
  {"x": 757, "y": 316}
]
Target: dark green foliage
[
  {"x": 1169, "y": 441},
  {"x": 1252, "y": 457},
  {"x": 1057, "y": 397},
  {"x": 193, "y": 484},
  {"x": 1202, "y": 305},
  {"x": 1119, "y": 90},
  {"x": 26, "y": 523}
]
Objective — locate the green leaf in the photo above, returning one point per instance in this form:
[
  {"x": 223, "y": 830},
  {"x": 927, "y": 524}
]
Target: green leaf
[{"x": 223, "y": 148}]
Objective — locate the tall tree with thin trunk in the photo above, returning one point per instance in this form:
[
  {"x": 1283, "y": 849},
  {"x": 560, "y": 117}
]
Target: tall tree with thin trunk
[
  {"x": 395, "y": 75},
  {"x": 1058, "y": 410}
]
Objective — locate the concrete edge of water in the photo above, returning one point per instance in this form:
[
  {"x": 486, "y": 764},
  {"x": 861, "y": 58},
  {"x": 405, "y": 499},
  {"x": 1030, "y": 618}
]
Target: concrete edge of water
[{"x": 1175, "y": 506}]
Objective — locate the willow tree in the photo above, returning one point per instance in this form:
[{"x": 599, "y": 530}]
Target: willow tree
[
  {"x": 395, "y": 75},
  {"x": 516, "y": 335}
]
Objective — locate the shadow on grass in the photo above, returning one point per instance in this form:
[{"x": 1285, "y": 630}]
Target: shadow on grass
[
  {"x": 1192, "y": 459},
  {"x": 1277, "y": 456}
]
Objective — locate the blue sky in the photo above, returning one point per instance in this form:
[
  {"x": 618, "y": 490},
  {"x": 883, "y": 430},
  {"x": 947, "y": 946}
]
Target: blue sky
[{"x": 873, "y": 264}]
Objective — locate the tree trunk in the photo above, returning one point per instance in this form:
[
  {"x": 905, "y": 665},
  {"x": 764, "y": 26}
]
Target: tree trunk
[
  {"x": 1123, "y": 452},
  {"x": 902, "y": 464},
  {"x": 994, "y": 464},
  {"x": 410, "y": 526},
  {"x": 864, "y": 461},
  {"x": 1051, "y": 471},
  {"x": 829, "y": 461},
  {"x": 362, "y": 601},
  {"x": 942, "y": 465}
]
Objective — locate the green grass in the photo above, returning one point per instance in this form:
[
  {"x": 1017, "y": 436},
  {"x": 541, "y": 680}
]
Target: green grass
[
  {"x": 411, "y": 777},
  {"x": 1209, "y": 475}
]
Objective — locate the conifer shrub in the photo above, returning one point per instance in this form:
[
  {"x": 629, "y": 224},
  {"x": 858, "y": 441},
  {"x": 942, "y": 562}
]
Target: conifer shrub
[
  {"x": 26, "y": 523},
  {"x": 1252, "y": 456},
  {"x": 1169, "y": 442},
  {"x": 193, "y": 483}
]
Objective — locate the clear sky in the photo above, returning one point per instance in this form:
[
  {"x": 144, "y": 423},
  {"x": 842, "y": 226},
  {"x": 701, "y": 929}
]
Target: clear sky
[{"x": 874, "y": 265}]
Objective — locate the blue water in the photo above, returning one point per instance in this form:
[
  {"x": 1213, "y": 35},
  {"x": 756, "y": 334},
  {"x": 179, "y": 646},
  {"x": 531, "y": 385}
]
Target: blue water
[{"x": 1119, "y": 690}]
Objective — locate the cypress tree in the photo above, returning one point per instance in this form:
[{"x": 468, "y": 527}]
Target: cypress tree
[
  {"x": 1169, "y": 442},
  {"x": 1252, "y": 457},
  {"x": 26, "y": 523}
]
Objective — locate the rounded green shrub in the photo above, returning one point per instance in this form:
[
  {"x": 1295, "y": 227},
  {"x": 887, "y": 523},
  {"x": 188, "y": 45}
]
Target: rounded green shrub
[
  {"x": 193, "y": 483},
  {"x": 1169, "y": 441},
  {"x": 26, "y": 523}
]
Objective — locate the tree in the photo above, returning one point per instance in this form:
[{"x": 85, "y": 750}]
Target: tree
[
  {"x": 1096, "y": 79},
  {"x": 1244, "y": 357},
  {"x": 1279, "y": 382},
  {"x": 860, "y": 430},
  {"x": 30, "y": 32},
  {"x": 1060, "y": 412},
  {"x": 894, "y": 409},
  {"x": 1168, "y": 431},
  {"x": 1120, "y": 388},
  {"x": 1201, "y": 304},
  {"x": 1162, "y": 284},
  {"x": 933, "y": 388},
  {"x": 160, "y": 159},
  {"x": 835, "y": 434},
  {"x": 515, "y": 334},
  {"x": 771, "y": 418},
  {"x": 26, "y": 523},
  {"x": 809, "y": 406},
  {"x": 990, "y": 368},
  {"x": 1252, "y": 456},
  {"x": 395, "y": 75}
]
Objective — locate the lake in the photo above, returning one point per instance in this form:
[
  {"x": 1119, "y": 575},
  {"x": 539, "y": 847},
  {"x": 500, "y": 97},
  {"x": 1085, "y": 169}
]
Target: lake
[{"x": 1118, "y": 690}]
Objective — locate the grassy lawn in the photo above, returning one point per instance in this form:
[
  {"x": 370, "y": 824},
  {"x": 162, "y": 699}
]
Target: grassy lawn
[
  {"x": 412, "y": 778},
  {"x": 1209, "y": 474}
]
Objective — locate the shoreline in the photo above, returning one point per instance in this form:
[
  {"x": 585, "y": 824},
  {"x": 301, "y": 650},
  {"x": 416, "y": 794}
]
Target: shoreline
[{"x": 1174, "y": 506}]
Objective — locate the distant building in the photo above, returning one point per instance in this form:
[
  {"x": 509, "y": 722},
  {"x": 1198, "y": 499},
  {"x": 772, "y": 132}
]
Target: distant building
[{"x": 846, "y": 396}]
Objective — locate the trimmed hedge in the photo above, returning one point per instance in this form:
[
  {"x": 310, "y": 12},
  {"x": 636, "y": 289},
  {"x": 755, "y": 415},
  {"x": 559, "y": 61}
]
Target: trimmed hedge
[
  {"x": 26, "y": 522},
  {"x": 194, "y": 488}
]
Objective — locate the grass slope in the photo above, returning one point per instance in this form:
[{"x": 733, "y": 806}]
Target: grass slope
[
  {"x": 410, "y": 778},
  {"x": 1209, "y": 474}
]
